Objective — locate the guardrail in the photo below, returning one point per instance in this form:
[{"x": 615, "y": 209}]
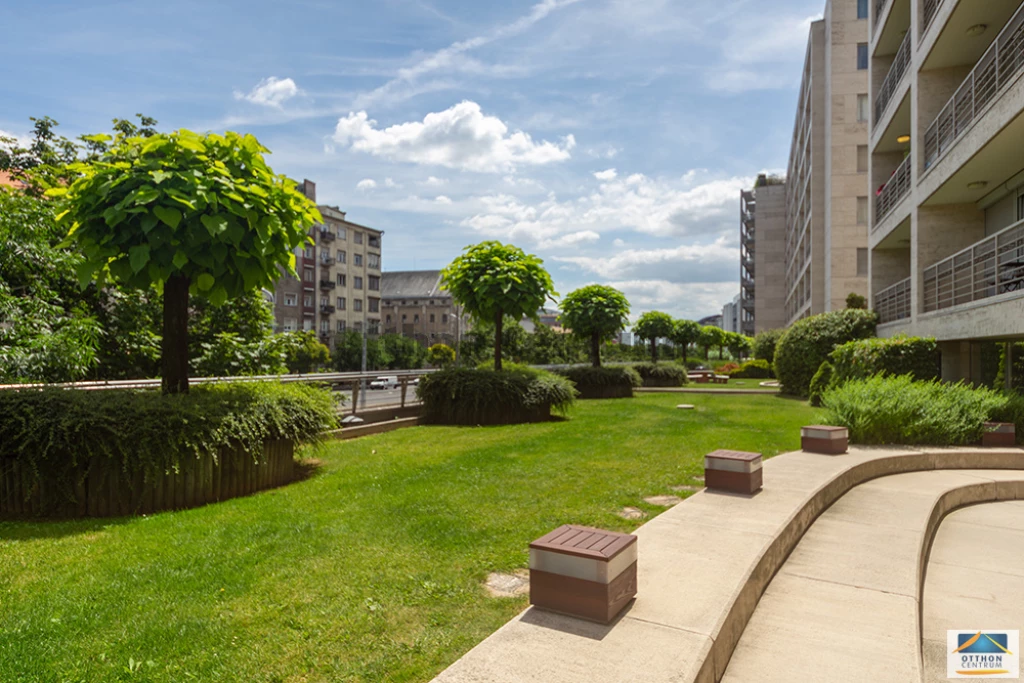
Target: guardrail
[
  {"x": 1003, "y": 60},
  {"x": 931, "y": 8},
  {"x": 988, "y": 268},
  {"x": 892, "y": 81},
  {"x": 894, "y": 303},
  {"x": 896, "y": 189},
  {"x": 879, "y": 10}
]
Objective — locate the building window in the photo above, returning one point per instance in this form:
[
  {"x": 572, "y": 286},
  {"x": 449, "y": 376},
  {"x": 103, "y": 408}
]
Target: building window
[
  {"x": 373, "y": 261},
  {"x": 307, "y": 274},
  {"x": 862, "y": 210},
  {"x": 342, "y": 233},
  {"x": 357, "y": 237},
  {"x": 358, "y": 327},
  {"x": 357, "y": 305},
  {"x": 341, "y": 326},
  {"x": 307, "y": 324},
  {"x": 341, "y": 303},
  {"x": 325, "y": 326},
  {"x": 324, "y": 301},
  {"x": 862, "y": 158},
  {"x": 291, "y": 300},
  {"x": 341, "y": 256},
  {"x": 404, "y": 317},
  {"x": 373, "y": 242},
  {"x": 444, "y": 318},
  {"x": 310, "y": 251},
  {"x": 416, "y": 318},
  {"x": 373, "y": 283},
  {"x": 374, "y": 305},
  {"x": 862, "y": 262},
  {"x": 862, "y": 108},
  {"x": 290, "y": 324},
  {"x": 357, "y": 282},
  {"x": 431, "y": 317},
  {"x": 388, "y": 319},
  {"x": 862, "y": 9},
  {"x": 341, "y": 280},
  {"x": 307, "y": 300},
  {"x": 357, "y": 259},
  {"x": 862, "y": 56}
]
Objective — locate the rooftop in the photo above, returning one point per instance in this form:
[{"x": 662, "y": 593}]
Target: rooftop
[{"x": 408, "y": 284}]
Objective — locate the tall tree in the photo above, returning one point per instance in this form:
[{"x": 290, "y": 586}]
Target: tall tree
[
  {"x": 652, "y": 326},
  {"x": 597, "y": 313},
  {"x": 711, "y": 336},
  {"x": 684, "y": 333},
  {"x": 189, "y": 213},
  {"x": 491, "y": 280}
]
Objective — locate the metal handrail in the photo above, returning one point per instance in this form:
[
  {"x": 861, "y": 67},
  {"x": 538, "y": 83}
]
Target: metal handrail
[
  {"x": 894, "y": 303},
  {"x": 899, "y": 69},
  {"x": 879, "y": 10},
  {"x": 896, "y": 189},
  {"x": 1003, "y": 60},
  {"x": 988, "y": 268},
  {"x": 931, "y": 8}
]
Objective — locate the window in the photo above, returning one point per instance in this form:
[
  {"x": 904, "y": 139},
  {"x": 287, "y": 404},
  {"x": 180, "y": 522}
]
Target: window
[
  {"x": 325, "y": 253},
  {"x": 388, "y": 319},
  {"x": 357, "y": 237},
  {"x": 374, "y": 305},
  {"x": 291, "y": 300},
  {"x": 324, "y": 301},
  {"x": 862, "y": 108},
  {"x": 862, "y": 262},
  {"x": 404, "y": 317},
  {"x": 373, "y": 242},
  {"x": 290, "y": 324},
  {"x": 416, "y": 318},
  {"x": 862, "y": 210},
  {"x": 310, "y": 252},
  {"x": 444, "y": 318},
  {"x": 358, "y": 327},
  {"x": 341, "y": 303},
  {"x": 325, "y": 326},
  {"x": 341, "y": 280},
  {"x": 307, "y": 324},
  {"x": 341, "y": 256},
  {"x": 357, "y": 305},
  {"x": 1020, "y": 205},
  {"x": 357, "y": 282},
  {"x": 307, "y": 300},
  {"x": 341, "y": 326},
  {"x": 357, "y": 259},
  {"x": 373, "y": 283},
  {"x": 862, "y": 158},
  {"x": 341, "y": 233},
  {"x": 862, "y": 56},
  {"x": 307, "y": 274},
  {"x": 373, "y": 261},
  {"x": 862, "y": 9},
  {"x": 431, "y": 317}
]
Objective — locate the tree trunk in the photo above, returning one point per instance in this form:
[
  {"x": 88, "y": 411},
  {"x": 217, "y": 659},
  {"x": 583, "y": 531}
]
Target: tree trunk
[
  {"x": 174, "y": 349},
  {"x": 685, "y": 346},
  {"x": 498, "y": 321},
  {"x": 654, "y": 350},
  {"x": 595, "y": 350}
]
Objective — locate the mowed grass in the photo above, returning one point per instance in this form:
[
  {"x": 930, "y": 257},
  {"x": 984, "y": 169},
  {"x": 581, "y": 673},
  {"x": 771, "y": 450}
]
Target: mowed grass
[{"x": 371, "y": 570}]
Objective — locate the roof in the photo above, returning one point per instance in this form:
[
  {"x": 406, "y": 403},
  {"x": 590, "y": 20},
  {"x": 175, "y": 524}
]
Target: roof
[
  {"x": 336, "y": 214},
  {"x": 410, "y": 284}
]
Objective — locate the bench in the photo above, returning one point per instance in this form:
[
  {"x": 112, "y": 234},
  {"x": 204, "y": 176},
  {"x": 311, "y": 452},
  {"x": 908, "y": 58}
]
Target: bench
[{"x": 720, "y": 379}]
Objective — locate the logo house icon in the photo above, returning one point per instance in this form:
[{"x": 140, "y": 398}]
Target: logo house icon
[{"x": 983, "y": 654}]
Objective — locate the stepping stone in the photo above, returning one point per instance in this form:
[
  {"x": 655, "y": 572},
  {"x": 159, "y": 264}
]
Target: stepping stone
[
  {"x": 690, "y": 489},
  {"x": 663, "y": 501},
  {"x": 508, "y": 585},
  {"x": 685, "y": 406},
  {"x": 632, "y": 513}
]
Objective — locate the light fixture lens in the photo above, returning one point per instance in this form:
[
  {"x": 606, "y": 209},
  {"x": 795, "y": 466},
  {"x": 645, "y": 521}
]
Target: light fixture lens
[
  {"x": 903, "y": 139},
  {"x": 977, "y": 30},
  {"x": 977, "y": 185}
]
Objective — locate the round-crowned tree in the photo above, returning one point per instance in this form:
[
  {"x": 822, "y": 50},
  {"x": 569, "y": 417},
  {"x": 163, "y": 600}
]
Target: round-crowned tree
[
  {"x": 711, "y": 336},
  {"x": 597, "y": 313},
  {"x": 684, "y": 333},
  {"x": 491, "y": 280},
  {"x": 441, "y": 356},
  {"x": 189, "y": 213},
  {"x": 652, "y": 326}
]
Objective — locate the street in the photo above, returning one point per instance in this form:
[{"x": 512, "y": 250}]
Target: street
[{"x": 380, "y": 397}]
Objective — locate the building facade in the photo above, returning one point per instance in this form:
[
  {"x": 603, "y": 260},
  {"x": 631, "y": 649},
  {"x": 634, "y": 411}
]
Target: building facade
[
  {"x": 826, "y": 244},
  {"x": 339, "y": 283},
  {"x": 414, "y": 305},
  {"x": 947, "y": 221},
  {"x": 762, "y": 304},
  {"x": 732, "y": 315}
]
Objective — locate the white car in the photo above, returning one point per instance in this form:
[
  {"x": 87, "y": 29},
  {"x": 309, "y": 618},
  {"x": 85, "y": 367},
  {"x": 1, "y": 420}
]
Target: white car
[{"x": 390, "y": 382}]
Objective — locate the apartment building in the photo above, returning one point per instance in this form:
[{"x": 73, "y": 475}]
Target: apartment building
[
  {"x": 826, "y": 243},
  {"x": 414, "y": 305},
  {"x": 947, "y": 237},
  {"x": 339, "y": 283},
  {"x": 732, "y": 315},
  {"x": 762, "y": 301}
]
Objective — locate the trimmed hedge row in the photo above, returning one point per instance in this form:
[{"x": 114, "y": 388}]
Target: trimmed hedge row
[
  {"x": 515, "y": 395},
  {"x": 605, "y": 382},
  {"x": 900, "y": 355},
  {"x": 809, "y": 342},
  {"x": 661, "y": 374},
  {"x": 753, "y": 369}
]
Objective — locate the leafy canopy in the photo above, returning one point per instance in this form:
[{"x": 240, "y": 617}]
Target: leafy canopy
[
  {"x": 684, "y": 333},
  {"x": 654, "y": 325},
  {"x": 491, "y": 278},
  {"x": 595, "y": 310},
  {"x": 203, "y": 206}
]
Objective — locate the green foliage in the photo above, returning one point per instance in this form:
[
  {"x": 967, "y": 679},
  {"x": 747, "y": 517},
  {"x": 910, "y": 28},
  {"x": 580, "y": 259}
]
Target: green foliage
[
  {"x": 752, "y": 369},
  {"x": 518, "y": 394},
  {"x": 763, "y": 347},
  {"x": 596, "y": 313},
  {"x": 1011, "y": 411},
  {"x": 684, "y": 334},
  {"x": 899, "y": 410},
  {"x": 441, "y": 356},
  {"x": 900, "y": 355},
  {"x": 348, "y": 353},
  {"x": 857, "y": 301},
  {"x": 585, "y": 375},
  {"x": 403, "y": 353},
  {"x": 56, "y": 432},
  {"x": 821, "y": 381},
  {"x": 808, "y": 343},
  {"x": 303, "y": 352},
  {"x": 661, "y": 374},
  {"x": 711, "y": 336},
  {"x": 651, "y": 327},
  {"x": 547, "y": 347},
  {"x": 230, "y": 355},
  {"x": 1017, "y": 352},
  {"x": 738, "y": 344}
]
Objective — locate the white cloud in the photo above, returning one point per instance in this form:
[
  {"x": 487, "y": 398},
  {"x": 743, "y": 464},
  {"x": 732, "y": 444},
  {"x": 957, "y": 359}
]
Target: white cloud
[
  {"x": 573, "y": 239},
  {"x": 692, "y": 300},
  {"x": 271, "y": 92},
  {"x": 618, "y": 243},
  {"x": 714, "y": 262},
  {"x": 366, "y": 184},
  {"x": 610, "y": 174},
  {"x": 390, "y": 182},
  {"x": 19, "y": 140},
  {"x": 758, "y": 53},
  {"x": 461, "y": 137},
  {"x": 432, "y": 181},
  {"x": 441, "y": 199}
]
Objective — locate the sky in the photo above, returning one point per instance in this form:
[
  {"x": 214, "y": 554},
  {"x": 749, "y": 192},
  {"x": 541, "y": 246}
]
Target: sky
[{"x": 609, "y": 137}]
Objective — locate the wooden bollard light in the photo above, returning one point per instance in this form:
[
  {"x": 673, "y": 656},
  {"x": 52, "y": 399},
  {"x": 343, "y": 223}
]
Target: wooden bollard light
[
  {"x": 824, "y": 440},
  {"x": 733, "y": 471},
  {"x": 583, "y": 572},
  {"x": 998, "y": 434}
]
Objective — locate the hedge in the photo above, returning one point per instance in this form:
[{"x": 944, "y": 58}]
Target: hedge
[
  {"x": 661, "y": 374},
  {"x": 606, "y": 382},
  {"x": 753, "y": 369},
  {"x": 764, "y": 345},
  {"x": 821, "y": 381},
  {"x": 808, "y": 343},
  {"x": 900, "y": 355},
  {"x": 515, "y": 395}
]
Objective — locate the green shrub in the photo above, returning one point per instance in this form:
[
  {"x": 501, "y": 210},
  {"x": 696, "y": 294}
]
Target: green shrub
[
  {"x": 808, "y": 343},
  {"x": 727, "y": 368},
  {"x": 516, "y": 394},
  {"x": 821, "y": 381},
  {"x": 661, "y": 374},
  {"x": 765, "y": 343},
  {"x": 142, "y": 431},
  {"x": 898, "y": 410},
  {"x": 1011, "y": 411},
  {"x": 752, "y": 369},
  {"x": 900, "y": 355},
  {"x": 605, "y": 382}
]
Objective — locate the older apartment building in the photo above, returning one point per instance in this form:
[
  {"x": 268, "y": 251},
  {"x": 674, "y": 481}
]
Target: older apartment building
[
  {"x": 826, "y": 242},
  {"x": 339, "y": 283},
  {"x": 947, "y": 237},
  {"x": 414, "y": 305},
  {"x": 762, "y": 299}
]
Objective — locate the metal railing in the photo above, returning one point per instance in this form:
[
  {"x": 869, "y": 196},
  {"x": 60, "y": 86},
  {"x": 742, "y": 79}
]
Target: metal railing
[
  {"x": 326, "y": 235},
  {"x": 879, "y": 10},
  {"x": 327, "y": 308},
  {"x": 988, "y": 268},
  {"x": 931, "y": 8},
  {"x": 893, "y": 79},
  {"x": 896, "y": 189},
  {"x": 894, "y": 303},
  {"x": 327, "y": 261},
  {"x": 328, "y": 284},
  {"x": 1003, "y": 60}
]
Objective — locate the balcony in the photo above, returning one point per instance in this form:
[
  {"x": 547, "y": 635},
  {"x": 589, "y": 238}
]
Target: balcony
[
  {"x": 326, "y": 309},
  {"x": 1000, "y": 64},
  {"x": 747, "y": 217},
  {"x": 894, "y": 303},
  {"x": 326, "y": 235},
  {"x": 893, "y": 79},
  {"x": 327, "y": 261},
  {"x": 931, "y": 8},
  {"x": 989, "y": 268},
  {"x": 879, "y": 11},
  {"x": 325, "y": 338},
  {"x": 896, "y": 189},
  {"x": 327, "y": 284}
]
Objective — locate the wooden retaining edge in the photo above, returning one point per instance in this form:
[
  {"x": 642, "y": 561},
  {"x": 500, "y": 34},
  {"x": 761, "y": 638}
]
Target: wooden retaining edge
[{"x": 372, "y": 428}]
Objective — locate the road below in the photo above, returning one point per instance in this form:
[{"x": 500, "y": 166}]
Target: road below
[{"x": 376, "y": 398}]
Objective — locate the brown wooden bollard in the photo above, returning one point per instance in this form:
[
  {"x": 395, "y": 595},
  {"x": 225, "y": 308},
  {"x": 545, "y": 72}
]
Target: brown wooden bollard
[
  {"x": 733, "y": 471},
  {"x": 583, "y": 572},
  {"x": 996, "y": 434},
  {"x": 825, "y": 440}
]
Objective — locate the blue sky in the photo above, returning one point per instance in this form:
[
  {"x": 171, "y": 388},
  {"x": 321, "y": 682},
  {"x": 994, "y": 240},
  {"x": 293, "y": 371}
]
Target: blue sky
[{"x": 611, "y": 137}]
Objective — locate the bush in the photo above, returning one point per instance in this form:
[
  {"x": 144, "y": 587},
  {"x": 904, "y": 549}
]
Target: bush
[
  {"x": 901, "y": 355},
  {"x": 727, "y": 368},
  {"x": 607, "y": 382},
  {"x": 441, "y": 356},
  {"x": 1011, "y": 411},
  {"x": 765, "y": 343},
  {"x": 822, "y": 380},
  {"x": 516, "y": 394},
  {"x": 661, "y": 374},
  {"x": 808, "y": 343},
  {"x": 854, "y": 300},
  {"x": 898, "y": 410},
  {"x": 752, "y": 369}
]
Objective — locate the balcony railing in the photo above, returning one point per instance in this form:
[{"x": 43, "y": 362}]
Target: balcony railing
[
  {"x": 326, "y": 309},
  {"x": 931, "y": 8},
  {"x": 747, "y": 216},
  {"x": 1003, "y": 60},
  {"x": 879, "y": 10},
  {"x": 991, "y": 267},
  {"x": 328, "y": 284},
  {"x": 326, "y": 261},
  {"x": 893, "y": 303},
  {"x": 893, "y": 79},
  {"x": 326, "y": 235},
  {"x": 896, "y": 189}
]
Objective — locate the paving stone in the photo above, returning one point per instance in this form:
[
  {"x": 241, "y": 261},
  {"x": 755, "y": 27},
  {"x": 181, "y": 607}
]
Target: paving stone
[
  {"x": 663, "y": 501},
  {"x": 632, "y": 513},
  {"x": 508, "y": 585}
]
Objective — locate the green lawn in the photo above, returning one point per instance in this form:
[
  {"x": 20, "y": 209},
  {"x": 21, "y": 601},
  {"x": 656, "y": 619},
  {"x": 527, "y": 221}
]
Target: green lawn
[
  {"x": 370, "y": 570},
  {"x": 735, "y": 384}
]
